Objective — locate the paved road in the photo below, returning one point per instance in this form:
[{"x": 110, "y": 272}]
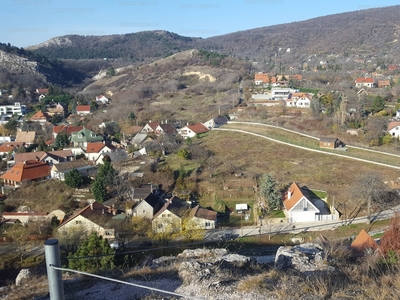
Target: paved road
[{"x": 298, "y": 227}]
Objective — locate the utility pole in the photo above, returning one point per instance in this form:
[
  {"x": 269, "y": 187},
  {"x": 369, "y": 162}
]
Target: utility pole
[
  {"x": 241, "y": 222},
  {"x": 52, "y": 253}
]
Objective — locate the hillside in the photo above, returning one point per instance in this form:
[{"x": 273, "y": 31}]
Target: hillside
[
  {"x": 19, "y": 66},
  {"x": 373, "y": 31},
  {"x": 133, "y": 46},
  {"x": 189, "y": 86}
]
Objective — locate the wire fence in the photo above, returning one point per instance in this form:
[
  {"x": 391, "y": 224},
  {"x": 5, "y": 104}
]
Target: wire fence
[{"x": 125, "y": 282}]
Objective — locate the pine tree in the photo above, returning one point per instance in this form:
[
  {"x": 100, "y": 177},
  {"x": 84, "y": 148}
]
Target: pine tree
[
  {"x": 99, "y": 191},
  {"x": 93, "y": 251},
  {"x": 73, "y": 178},
  {"x": 270, "y": 193}
]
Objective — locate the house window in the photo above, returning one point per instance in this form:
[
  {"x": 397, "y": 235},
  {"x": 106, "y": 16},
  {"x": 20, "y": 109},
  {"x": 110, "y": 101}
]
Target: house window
[
  {"x": 144, "y": 211},
  {"x": 169, "y": 215},
  {"x": 208, "y": 224},
  {"x": 305, "y": 209},
  {"x": 159, "y": 226},
  {"x": 78, "y": 222}
]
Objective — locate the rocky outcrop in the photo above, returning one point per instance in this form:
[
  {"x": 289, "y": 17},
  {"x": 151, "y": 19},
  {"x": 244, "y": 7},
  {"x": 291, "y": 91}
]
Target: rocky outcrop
[
  {"x": 23, "y": 276},
  {"x": 308, "y": 257},
  {"x": 216, "y": 264}
]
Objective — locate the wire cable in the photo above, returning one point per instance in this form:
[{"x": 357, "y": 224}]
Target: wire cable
[{"x": 124, "y": 282}]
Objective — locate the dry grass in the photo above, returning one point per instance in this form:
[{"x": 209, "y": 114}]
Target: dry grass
[
  {"x": 256, "y": 156},
  {"x": 48, "y": 196}
]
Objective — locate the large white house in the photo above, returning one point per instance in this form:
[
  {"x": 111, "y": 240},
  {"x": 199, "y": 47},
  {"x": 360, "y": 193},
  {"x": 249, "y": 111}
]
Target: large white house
[
  {"x": 299, "y": 206},
  {"x": 16, "y": 109}
]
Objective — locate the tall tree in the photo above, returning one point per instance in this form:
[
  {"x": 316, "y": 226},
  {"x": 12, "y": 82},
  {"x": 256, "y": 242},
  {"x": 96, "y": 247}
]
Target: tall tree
[
  {"x": 369, "y": 187},
  {"x": 93, "y": 254},
  {"x": 269, "y": 192},
  {"x": 99, "y": 190},
  {"x": 73, "y": 178}
]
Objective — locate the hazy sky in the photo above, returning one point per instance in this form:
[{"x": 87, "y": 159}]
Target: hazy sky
[{"x": 29, "y": 22}]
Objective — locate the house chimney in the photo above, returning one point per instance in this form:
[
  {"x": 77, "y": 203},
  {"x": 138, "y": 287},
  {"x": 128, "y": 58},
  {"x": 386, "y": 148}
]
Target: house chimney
[
  {"x": 102, "y": 211},
  {"x": 289, "y": 195},
  {"x": 91, "y": 206},
  {"x": 166, "y": 121}
]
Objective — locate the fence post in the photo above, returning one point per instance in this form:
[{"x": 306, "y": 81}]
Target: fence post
[{"x": 54, "y": 277}]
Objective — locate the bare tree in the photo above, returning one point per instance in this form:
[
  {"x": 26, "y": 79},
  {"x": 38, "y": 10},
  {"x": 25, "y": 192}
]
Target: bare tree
[{"x": 370, "y": 188}]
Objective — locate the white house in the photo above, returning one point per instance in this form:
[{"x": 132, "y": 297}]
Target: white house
[
  {"x": 216, "y": 122},
  {"x": 191, "y": 131},
  {"x": 300, "y": 100},
  {"x": 17, "y": 108},
  {"x": 394, "y": 129},
  {"x": 95, "y": 149},
  {"x": 102, "y": 99},
  {"x": 365, "y": 81},
  {"x": 202, "y": 218},
  {"x": 299, "y": 206}
]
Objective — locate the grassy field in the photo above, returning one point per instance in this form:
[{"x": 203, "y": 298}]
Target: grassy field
[
  {"x": 300, "y": 140},
  {"x": 254, "y": 156}
]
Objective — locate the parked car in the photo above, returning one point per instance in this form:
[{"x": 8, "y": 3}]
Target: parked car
[
  {"x": 145, "y": 245},
  {"x": 116, "y": 245},
  {"x": 229, "y": 236}
]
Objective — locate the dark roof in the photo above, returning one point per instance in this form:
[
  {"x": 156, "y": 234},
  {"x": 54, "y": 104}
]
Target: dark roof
[
  {"x": 69, "y": 165},
  {"x": 168, "y": 128},
  {"x": 142, "y": 192},
  {"x": 92, "y": 212},
  {"x": 328, "y": 139},
  {"x": 203, "y": 213},
  {"x": 174, "y": 205}
]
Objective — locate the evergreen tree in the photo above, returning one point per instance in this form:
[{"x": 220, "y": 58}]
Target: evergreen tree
[
  {"x": 62, "y": 140},
  {"x": 73, "y": 178},
  {"x": 270, "y": 193},
  {"x": 95, "y": 249},
  {"x": 99, "y": 190}
]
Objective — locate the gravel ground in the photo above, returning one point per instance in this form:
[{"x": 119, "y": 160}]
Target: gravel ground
[{"x": 103, "y": 290}]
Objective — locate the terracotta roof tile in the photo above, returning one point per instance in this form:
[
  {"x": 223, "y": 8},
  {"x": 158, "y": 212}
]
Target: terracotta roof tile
[
  {"x": 363, "y": 241},
  {"x": 29, "y": 170},
  {"x": 198, "y": 128}
]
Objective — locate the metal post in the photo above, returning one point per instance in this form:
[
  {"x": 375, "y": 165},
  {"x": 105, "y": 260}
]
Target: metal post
[{"x": 52, "y": 253}]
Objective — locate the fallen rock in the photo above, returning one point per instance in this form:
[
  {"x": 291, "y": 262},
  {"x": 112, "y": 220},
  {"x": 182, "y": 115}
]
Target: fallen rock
[
  {"x": 23, "y": 276},
  {"x": 308, "y": 257},
  {"x": 202, "y": 253}
]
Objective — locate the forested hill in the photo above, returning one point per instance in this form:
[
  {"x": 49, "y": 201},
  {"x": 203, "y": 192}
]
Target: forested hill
[
  {"x": 133, "y": 46},
  {"x": 373, "y": 30},
  {"x": 20, "y": 66}
]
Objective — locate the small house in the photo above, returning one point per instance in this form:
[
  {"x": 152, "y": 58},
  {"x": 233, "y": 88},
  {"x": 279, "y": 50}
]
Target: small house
[{"x": 330, "y": 143}]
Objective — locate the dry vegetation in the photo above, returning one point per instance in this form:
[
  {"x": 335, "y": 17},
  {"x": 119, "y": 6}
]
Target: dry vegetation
[
  {"x": 43, "y": 197},
  {"x": 238, "y": 152}
]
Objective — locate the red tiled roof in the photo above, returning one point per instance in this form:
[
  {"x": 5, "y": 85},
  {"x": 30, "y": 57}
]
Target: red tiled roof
[
  {"x": 28, "y": 170},
  {"x": 363, "y": 241},
  {"x": 9, "y": 146},
  {"x": 68, "y": 128},
  {"x": 43, "y": 91},
  {"x": 365, "y": 80},
  {"x": 153, "y": 125},
  {"x": 295, "y": 195},
  {"x": 392, "y": 125},
  {"x": 94, "y": 147},
  {"x": 38, "y": 116},
  {"x": 198, "y": 128},
  {"x": 83, "y": 108}
]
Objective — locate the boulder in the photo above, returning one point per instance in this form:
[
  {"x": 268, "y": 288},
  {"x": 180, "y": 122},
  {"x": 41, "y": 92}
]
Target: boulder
[
  {"x": 305, "y": 258},
  {"x": 23, "y": 276},
  {"x": 202, "y": 253},
  {"x": 217, "y": 268}
]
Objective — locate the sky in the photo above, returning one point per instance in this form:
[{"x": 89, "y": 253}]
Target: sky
[{"x": 29, "y": 22}]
